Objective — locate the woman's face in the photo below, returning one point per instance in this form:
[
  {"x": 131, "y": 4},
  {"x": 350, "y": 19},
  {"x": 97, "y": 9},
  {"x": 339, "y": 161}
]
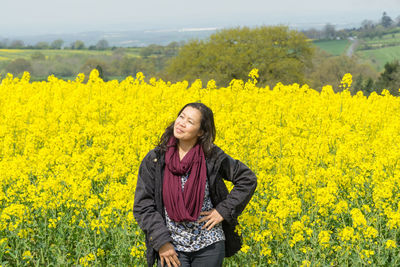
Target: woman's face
[{"x": 187, "y": 125}]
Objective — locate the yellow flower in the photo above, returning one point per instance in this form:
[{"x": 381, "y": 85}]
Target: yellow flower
[
  {"x": 27, "y": 255},
  {"x": 211, "y": 84},
  {"x": 266, "y": 251},
  {"x": 245, "y": 248},
  {"x": 347, "y": 80},
  {"x": 305, "y": 263},
  {"x": 347, "y": 234},
  {"x": 390, "y": 244},
  {"x": 86, "y": 260},
  {"x": 100, "y": 252},
  {"x": 366, "y": 208},
  {"x": 370, "y": 232},
  {"x": 365, "y": 253},
  {"x": 253, "y": 74},
  {"x": 324, "y": 238},
  {"x": 341, "y": 207},
  {"x": 358, "y": 218},
  {"x": 297, "y": 237}
]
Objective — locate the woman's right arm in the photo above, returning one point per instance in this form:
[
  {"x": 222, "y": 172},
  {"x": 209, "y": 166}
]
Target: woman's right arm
[{"x": 144, "y": 208}]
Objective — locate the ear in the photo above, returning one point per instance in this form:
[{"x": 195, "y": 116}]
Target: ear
[{"x": 201, "y": 132}]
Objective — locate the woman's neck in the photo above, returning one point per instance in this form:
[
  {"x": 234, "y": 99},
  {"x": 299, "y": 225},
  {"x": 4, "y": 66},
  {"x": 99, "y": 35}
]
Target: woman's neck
[{"x": 185, "y": 146}]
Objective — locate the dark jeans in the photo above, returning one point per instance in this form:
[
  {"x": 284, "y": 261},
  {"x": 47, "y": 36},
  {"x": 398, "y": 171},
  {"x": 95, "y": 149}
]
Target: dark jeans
[{"x": 210, "y": 256}]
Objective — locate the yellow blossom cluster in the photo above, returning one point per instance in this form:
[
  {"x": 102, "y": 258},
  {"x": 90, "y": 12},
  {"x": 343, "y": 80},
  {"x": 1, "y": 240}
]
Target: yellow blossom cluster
[
  {"x": 347, "y": 80},
  {"x": 327, "y": 164}
]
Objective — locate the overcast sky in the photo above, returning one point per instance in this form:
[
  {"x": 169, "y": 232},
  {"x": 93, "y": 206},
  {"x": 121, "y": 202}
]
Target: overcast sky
[{"x": 59, "y": 16}]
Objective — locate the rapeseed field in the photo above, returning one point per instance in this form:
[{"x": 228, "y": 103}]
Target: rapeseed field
[{"x": 328, "y": 168}]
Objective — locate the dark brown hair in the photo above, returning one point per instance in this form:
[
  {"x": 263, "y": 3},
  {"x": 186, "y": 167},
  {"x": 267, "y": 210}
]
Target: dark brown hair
[{"x": 206, "y": 140}]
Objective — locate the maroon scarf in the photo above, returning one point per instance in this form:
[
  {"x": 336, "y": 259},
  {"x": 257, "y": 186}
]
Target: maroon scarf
[{"x": 184, "y": 205}]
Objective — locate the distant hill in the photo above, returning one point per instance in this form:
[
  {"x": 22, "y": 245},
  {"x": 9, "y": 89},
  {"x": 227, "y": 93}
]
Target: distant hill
[
  {"x": 122, "y": 38},
  {"x": 144, "y": 37}
]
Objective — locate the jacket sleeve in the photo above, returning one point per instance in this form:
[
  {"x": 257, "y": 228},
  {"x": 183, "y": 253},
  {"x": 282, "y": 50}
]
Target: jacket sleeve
[
  {"x": 144, "y": 208},
  {"x": 245, "y": 183}
]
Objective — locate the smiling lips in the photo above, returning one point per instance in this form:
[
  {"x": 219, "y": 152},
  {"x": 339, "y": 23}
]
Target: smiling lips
[{"x": 179, "y": 130}]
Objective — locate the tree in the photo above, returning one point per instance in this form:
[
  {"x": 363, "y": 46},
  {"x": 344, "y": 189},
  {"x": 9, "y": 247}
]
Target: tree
[
  {"x": 390, "y": 78},
  {"x": 150, "y": 50},
  {"x": 4, "y": 43},
  {"x": 78, "y": 45},
  {"x": 330, "y": 70},
  {"x": 91, "y": 64},
  {"x": 367, "y": 29},
  {"x": 42, "y": 45},
  {"x": 38, "y": 56},
  {"x": 329, "y": 31},
  {"x": 57, "y": 44},
  {"x": 130, "y": 66},
  {"x": 17, "y": 44},
  {"x": 63, "y": 69},
  {"x": 386, "y": 21},
  {"x": 172, "y": 49},
  {"x": 119, "y": 53},
  {"x": 366, "y": 85},
  {"x": 18, "y": 66},
  {"x": 280, "y": 54},
  {"x": 102, "y": 44},
  {"x": 312, "y": 33},
  {"x": 100, "y": 70},
  {"x": 367, "y": 24}
]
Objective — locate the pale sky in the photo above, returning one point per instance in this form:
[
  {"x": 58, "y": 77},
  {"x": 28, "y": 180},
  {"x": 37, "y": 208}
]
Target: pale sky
[{"x": 59, "y": 16}]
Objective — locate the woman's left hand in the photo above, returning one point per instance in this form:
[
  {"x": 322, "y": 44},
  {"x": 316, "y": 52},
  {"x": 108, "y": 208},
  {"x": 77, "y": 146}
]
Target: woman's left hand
[{"x": 211, "y": 217}]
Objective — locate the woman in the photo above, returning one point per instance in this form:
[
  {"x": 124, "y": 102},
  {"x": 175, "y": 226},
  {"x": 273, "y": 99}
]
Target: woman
[{"x": 181, "y": 201}]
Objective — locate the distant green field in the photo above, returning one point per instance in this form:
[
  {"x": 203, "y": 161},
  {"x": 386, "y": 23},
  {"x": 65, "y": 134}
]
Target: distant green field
[
  {"x": 334, "y": 47},
  {"x": 11, "y": 54},
  {"x": 377, "y": 43},
  {"x": 378, "y": 57},
  {"x": 387, "y": 38}
]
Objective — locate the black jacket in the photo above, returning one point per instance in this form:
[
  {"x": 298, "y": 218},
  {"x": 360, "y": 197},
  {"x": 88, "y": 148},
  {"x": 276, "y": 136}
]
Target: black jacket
[{"x": 148, "y": 207}]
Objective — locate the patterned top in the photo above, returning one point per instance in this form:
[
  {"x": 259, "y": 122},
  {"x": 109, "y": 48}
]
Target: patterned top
[{"x": 188, "y": 236}]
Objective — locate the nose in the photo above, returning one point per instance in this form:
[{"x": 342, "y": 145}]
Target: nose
[{"x": 182, "y": 123}]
